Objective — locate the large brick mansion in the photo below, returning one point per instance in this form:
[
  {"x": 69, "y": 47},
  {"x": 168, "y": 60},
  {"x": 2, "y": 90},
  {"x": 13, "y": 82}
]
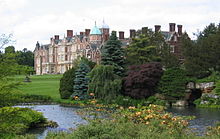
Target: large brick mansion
[{"x": 58, "y": 56}]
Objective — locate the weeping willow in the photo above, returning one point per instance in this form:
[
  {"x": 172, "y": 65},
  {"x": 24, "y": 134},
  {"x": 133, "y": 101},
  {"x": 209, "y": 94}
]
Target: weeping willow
[{"x": 104, "y": 83}]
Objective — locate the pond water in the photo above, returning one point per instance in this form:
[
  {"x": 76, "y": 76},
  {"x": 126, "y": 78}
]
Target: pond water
[
  {"x": 66, "y": 117},
  {"x": 204, "y": 117}
]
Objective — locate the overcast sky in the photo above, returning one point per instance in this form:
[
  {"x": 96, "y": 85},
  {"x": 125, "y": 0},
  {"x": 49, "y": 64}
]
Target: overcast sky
[{"x": 38, "y": 20}]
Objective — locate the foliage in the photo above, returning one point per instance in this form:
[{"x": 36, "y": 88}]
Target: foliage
[
  {"x": 9, "y": 49},
  {"x": 202, "y": 56},
  {"x": 208, "y": 100},
  {"x": 67, "y": 83},
  {"x": 172, "y": 83},
  {"x": 156, "y": 101},
  {"x": 144, "y": 48},
  {"x": 142, "y": 80},
  {"x": 104, "y": 83},
  {"x": 28, "y": 98},
  {"x": 81, "y": 81},
  {"x": 25, "y": 57},
  {"x": 17, "y": 120},
  {"x": 217, "y": 88},
  {"x": 84, "y": 60},
  {"x": 169, "y": 59},
  {"x": 113, "y": 54},
  {"x": 8, "y": 93},
  {"x": 144, "y": 122},
  {"x": 7, "y": 65},
  {"x": 214, "y": 130}
]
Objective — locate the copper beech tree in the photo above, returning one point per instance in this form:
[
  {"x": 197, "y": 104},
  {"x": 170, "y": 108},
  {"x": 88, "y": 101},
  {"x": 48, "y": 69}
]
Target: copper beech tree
[{"x": 142, "y": 80}]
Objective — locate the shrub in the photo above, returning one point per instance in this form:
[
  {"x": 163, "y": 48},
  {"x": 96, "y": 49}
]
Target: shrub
[
  {"x": 145, "y": 122},
  {"x": 172, "y": 83},
  {"x": 34, "y": 98},
  {"x": 217, "y": 88},
  {"x": 142, "y": 80},
  {"x": 67, "y": 83},
  {"x": 104, "y": 83},
  {"x": 8, "y": 93},
  {"x": 17, "y": 120}
]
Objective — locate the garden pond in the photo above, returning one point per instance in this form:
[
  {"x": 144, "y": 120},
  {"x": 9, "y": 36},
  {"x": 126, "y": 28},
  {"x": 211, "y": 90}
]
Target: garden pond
[{"x": 66, "y": 117}]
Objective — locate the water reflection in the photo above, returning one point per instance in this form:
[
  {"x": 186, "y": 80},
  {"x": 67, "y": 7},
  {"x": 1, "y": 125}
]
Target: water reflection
[
  {"x": 66, "y": 117},
  {"x": 204, "y": 117}
]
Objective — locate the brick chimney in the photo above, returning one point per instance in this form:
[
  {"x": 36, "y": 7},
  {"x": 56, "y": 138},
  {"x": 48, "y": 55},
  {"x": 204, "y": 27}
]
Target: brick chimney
[
  {"x": 87, "y": 32},
  {"x": 180, "y": 32},
  {"x": 132, "y": 33},
  {"x": 172, "y": 27},
  {"x": 157, "y": 28},
  {"x": 69, "y": 33},
  {"x": 56, "y": 37},
  {"x": 121, "y": 35}
]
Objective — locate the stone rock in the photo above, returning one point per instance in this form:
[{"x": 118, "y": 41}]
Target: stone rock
[
  {"x": 180, "y": 103},
  {"x": 204, "y": 85}
]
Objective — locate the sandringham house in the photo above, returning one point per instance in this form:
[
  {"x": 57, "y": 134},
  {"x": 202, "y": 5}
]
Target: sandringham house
[{"x": 58, "y": 56}]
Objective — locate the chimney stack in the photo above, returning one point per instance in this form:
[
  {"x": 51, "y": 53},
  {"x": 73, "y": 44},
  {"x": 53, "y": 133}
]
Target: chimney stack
[
  {"x": 144, "y": 30},
  {"x": 87, "y": 32},
  {"x": 180, "y": 32},
  {"x": 121, "y": 35},
  {"x": 132, "y": 33},
  {"x": 69, "y": 33},
  {"x": 157, "y": 28},
  {"x": 172, "y": 27},
  {"x": 56, "y": 37}
]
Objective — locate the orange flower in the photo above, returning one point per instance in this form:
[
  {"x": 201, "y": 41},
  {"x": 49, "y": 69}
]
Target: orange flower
[
  {"x": 130, "y": 107},
  {"x": 138, "y": 113},
  {"x": 163, "y": 122},
  {"x": 91, "y": 94},
  {"x": 93, "y": 101},
  {"x": 76, "y": 97}
]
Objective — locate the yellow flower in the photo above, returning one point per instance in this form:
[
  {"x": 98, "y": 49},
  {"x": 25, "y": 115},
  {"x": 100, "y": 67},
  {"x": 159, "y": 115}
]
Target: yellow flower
[{"x": 147, "y": 123}]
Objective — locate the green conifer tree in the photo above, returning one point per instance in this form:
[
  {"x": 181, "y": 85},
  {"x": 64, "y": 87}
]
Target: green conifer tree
[
  {"x": 81, "y": 81},
  {"x": 113, "y": 54}
]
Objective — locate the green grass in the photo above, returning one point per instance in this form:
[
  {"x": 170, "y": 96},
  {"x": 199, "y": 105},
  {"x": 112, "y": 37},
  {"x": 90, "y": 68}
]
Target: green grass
[{"x": 41, "y": 85}]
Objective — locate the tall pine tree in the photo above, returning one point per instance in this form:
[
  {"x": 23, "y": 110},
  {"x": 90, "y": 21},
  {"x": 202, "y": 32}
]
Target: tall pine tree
[
  {"x": 81, "y": 81},
  {"x": 113, "y": 54}
]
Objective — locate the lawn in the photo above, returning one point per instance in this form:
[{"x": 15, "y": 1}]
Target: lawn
[{"x": 41, "y": 85}]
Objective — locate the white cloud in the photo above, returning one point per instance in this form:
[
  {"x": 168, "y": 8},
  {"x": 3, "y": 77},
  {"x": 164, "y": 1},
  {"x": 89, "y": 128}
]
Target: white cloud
[{"x": 39, "y": 23}]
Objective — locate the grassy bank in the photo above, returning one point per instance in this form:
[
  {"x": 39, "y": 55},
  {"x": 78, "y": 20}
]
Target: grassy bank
[{"x": 41, "y": 85}]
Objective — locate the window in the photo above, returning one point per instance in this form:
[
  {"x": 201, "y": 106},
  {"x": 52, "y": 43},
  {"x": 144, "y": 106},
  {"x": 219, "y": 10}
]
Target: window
[
  {"x": 66, "y": 57},
  {"x": 172, "y": 48},
  {"x": 66, "y": 49}
]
